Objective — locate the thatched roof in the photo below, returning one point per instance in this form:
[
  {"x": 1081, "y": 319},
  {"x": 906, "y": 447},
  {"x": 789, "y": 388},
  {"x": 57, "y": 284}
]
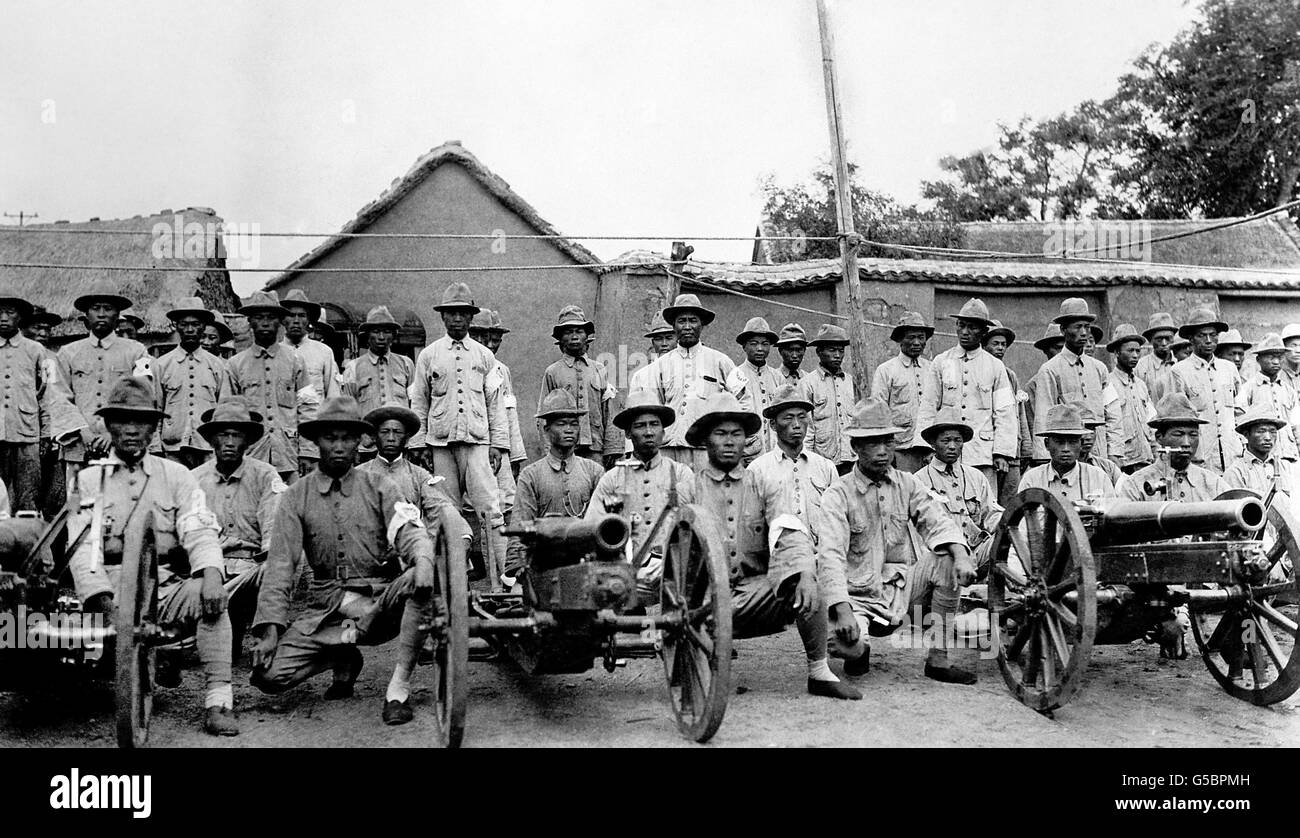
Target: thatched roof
[
  {"x": 153, "y": 292},
  {"x": 449, "y": 152}
]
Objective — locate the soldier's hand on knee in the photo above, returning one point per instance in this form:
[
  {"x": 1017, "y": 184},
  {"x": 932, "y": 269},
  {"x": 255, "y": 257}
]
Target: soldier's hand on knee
[
  {"x": 264, "y": 650},
  {"x": 212, "y": 595},
  {"x": 423, "y": 577},
  {"x": 845, "y": 624},
  {"x": 805, "y": 594},
  {"x": 963, "y": 566}
]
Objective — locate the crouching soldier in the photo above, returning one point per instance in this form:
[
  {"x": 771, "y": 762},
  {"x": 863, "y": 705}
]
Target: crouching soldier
[
  {"x": 770, "y": 549},
  {"x": 887, "y": 548},
  {"x": 963, "y": 491},
  {"x": 344, "y": 520},
  {"x": 131, "y": 484},
  {"x": 243, "y": 494}
]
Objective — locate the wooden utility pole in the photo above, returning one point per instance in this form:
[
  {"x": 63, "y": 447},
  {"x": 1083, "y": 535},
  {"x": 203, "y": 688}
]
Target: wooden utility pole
[
  {"x": 856, "y": 325},
  {"x": 21, "y": 216}
]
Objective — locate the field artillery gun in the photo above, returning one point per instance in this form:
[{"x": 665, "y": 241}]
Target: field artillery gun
[{"x": 1065, "y": 576}]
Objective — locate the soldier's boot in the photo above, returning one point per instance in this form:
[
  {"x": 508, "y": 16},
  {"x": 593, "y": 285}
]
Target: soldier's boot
[
  {"x": 859, "y": 666},
  {"x": 220, "y": 721},
  {"x": 952, "y": 666}
]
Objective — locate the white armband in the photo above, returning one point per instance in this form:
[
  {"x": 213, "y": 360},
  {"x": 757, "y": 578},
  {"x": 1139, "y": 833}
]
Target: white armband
[
  {"x": 780, "y": 524},
  {"x": 403, "y": 513}
]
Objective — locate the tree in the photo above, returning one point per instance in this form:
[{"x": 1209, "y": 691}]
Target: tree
[{"x": 808, "y": 209}]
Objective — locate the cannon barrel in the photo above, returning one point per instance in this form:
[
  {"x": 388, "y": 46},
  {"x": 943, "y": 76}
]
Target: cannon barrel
[
  {"x": 557, "y": 541},
  {"x": 1133, "y": 522}
]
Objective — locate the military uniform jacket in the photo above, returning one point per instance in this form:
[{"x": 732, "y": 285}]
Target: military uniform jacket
[
  {"x": 761, "y": 534},
  {"x": 639, "y": 491},
  {"x": 34, "y": 401},
  {"x": 91, "y": 367},
  {"x": 1195, "y": 484},
  {"x": 966, "y": 497},
  {"x": 975, "y": 385},
  {"x": 275, "y": 383},
  {"x": 1136, "y": 409},
  {"x": 323, "y": 373},
  {"x": 1281, "y": 401},
  {"x": 898, "y": 383},
  {"x": 187, "y": 383},
  {"x": 759, "y": 383},
  {"x": 832, "y": 398},
  {"x": 456, "y": 397},
  {"x": 1212, "y": 388},
  {"x": 244, "y": 504},
  {"x": 377, "y": 381},
  {"x": 684, "y": 379},
  {"x": 593, "y": 394},
  {"x": 1067, "y": 378}
]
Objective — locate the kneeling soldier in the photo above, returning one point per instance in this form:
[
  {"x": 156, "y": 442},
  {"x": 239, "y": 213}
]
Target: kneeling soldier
[
  {"x": 963, "y": 491},
  {"x": 344, "y": 519},
  {"x": 129, "y": 483}
]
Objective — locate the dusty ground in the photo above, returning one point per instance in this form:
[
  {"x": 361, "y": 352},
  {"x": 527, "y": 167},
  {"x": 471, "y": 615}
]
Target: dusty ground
[{"x": 1130, "y": 698}]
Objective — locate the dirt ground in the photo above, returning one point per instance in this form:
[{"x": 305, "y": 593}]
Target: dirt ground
[{"x": 1130, "y": 698}]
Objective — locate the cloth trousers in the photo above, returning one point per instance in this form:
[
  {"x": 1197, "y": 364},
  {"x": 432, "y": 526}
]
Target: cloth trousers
[
  {"x": 759, "y": 608},
  {"x": 380, "y": 618},
  {"x": 20, "y": 469},
  {"x": 1008, "y": 482}
]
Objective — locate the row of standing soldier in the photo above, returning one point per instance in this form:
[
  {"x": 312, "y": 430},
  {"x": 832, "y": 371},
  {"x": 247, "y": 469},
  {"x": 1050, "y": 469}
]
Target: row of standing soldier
[{"x": 858, "y": 527}]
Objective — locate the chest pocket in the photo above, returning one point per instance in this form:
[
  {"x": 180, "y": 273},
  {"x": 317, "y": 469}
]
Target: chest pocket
[
  {"x": 984, "y": 396},
  {"x": 285, "y": 396},
  {"x": 439, "y": 381},
  {"x": 900, "y": 392}
]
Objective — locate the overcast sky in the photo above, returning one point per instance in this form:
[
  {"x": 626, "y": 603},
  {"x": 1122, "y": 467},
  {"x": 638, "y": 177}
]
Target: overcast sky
[{"x": 612, "y": 118}]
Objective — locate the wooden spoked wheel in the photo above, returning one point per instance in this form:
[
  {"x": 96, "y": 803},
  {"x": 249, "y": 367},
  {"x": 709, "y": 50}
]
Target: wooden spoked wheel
[
  {"x": 1250, "y": 646},
  {"x": 136, "y": 625},
  {"x": 450, "y": 634},
  {"x": 697, "y": 654},
  {"x": 1043, "y": 599}
]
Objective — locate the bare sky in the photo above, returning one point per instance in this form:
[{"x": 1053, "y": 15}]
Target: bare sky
[{"x": 611, "y": 118}]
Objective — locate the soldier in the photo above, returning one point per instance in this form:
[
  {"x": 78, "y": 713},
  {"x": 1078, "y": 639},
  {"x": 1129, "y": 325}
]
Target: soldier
[
  {"x": 1291, "y": 369},
  {"x": 1087, "y": 452},
  {"x": 687, "y": 376},
  {"x": 39, "y": 326},
  {"x": 135, "y": 483},
  {"x": 317, "y": 359},
  {"x": 997, "y": 341},
  {"x": 1160, "y": 331},
  {"x": 1174, "y": 475},
  {"x": 488, "y": 329},
  {"x": 1135, "y": 405},
  {"x": 1064, "y": 473},
  {"x": 1050, "y": 344},
  {"x": 662, "y": 337},
  {"x": 188, "y": 382},
  {"x": 805, "y": 474},
  {"x": 791, "y": 345},
  {"x": 1266, "y": 387},
  {"x": 965, "y": 494},
  {"x": 1074, "y": 375},
  {"x": 638, "y": 486},
  {"x": 831, "y": 392},
  {"x": 129, "y": 326},
  {"x": 1232, "y": 348},
  {"x": 559, "y": 483},
  {"x": 977, "y": 385},
  {"x": 587, "y": 383},
  {"x": 1095, "y": 336},
  {"x": 756, "y": 379},
  {"x": 770, "y": 551},
  {"x": 1211, "y": 385},
  {"x": 243, "y": 494},
  {"x": 887, "y": 548},
  {"x": 380, "y": 377},
  {"x": 91, "y": 366},
  {"x": 897, "y": 382},
  {"x": 1260, "y": 468},
  {"x": 215, "y": 335},
  {"x": 275, "y": 381},
  {"x": 393, "y": 426},
  {"x": 344, "y": 521},
  {"x": 35, "y": 408},
  {"x": 462, "y": 414}
]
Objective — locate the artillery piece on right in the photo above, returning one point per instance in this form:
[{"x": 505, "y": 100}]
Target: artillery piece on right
[{"x": 1065, "y": 576}]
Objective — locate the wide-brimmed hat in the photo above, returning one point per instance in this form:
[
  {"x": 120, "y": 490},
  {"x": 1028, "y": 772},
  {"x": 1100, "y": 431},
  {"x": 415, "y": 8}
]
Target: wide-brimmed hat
[
  {"x": 405, "y": 415},
  {"x": 223, "y": 328},
  {"x": 1124, "y": 333},
  {"x": 829, "y": 335},
  {"x": 974, "y": 310},
  {"x": 1098, "y": 335},
  {"x": 324, "y": 329},
  {"x": 999, "y": 329},
  {"x": 1199, "y": 319},
  {"x": 1259, "y": 414},
  {"x": 643, "y": 401},
  {"x": 457, "y": 297},
  {"x": 792, "y": 333},
  {"x": 133, "y": 395},
  {"x": 1063, "y": 420},
  {"x": 481, "y": 321},
  {"x": 1290, "y": 330},
  {"x": 1050, "y": 336},
  {"x": 191, "y": 306},
  {"x": 787, "y": 395},
  {"x": 756, "y": 327},
  {"x": 379, "y": 317},
  {"x": 1269, "y": 344},
  {"x": 910, "y": 321},
  {"x": 658, "y": 326},
  {"x": 232, "y": 413},
  {"x": 947, "y": 421},
  {"x": 1179, "y": 342},
  {"x": 871, "y": 417},
  {"x": 42, "y": 315},
  {"x": 297, "y": 297},
  {"x": 263, "y": 302},
  {"x": 20, "y": 305},
  {"x": 134, "y": 319},
  {"x": 685, "y": 303},
  {"x": 338, "y": 412},
  {"x": 101, "y": 290},
  {"x": 721, "y": 407},
  {"x": 572, "y": 317},
  {"x": 1090, "y": 420},
  {"x": 498, "y": 325},
  {"x": 1232, "y": 337},
  {"x": 1159, "y": 322},
  {"x": 1175, "y": 409},
  {"x": 1073, "y": 308},
  {"x": 558, "y": 404}
]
